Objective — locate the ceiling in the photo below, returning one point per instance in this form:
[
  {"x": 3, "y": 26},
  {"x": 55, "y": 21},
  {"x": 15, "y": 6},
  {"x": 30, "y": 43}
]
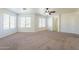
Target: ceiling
[
  {"x": 20, "y": 10},
  {"x": 42, "y": 10}
]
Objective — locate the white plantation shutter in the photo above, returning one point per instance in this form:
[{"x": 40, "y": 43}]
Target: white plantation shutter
[
  {"x": 5, "y": 22},
  {"x": 22, "y": 21},
  {"x": 25, "y": 22},
  {"x": 12, "y": 22},
  {"x": 28, "y": 22},
  {"x": 42, "y": 22},
  {"x": 9, "y": 22}
]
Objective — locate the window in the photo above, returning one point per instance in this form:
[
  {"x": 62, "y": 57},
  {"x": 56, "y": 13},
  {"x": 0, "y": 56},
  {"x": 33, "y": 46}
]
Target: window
[
  {"x": 28, "y": 22},
  {"x": 42, "y": 22},
  {"x": 9, "y": 22},
  {"x": 12, "y": 22},
  {"x": 25, "y": 22},
  {"x": 6, "y": 22},
  {"x": 22, "y": 21}
]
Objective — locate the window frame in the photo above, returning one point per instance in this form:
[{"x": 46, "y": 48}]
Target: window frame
[
  {"x": 9, "y": 23},
  {"x": 25, "y": 22},
  {"x": 29, "y": 23},
  {"x": 3, "y": 22},
  {"x": 42, "y": 22},
  {"x": 14, "y": 24}
]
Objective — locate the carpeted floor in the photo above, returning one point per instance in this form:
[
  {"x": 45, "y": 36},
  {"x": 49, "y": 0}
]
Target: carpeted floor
[{"x": 43, "y": 40}]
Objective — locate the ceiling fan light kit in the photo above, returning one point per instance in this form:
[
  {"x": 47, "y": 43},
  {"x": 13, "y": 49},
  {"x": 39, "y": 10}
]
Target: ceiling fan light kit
[{"x": 49, "y": 12}]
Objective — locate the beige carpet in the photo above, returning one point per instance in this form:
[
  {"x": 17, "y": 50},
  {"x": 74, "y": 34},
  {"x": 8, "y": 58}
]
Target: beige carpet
[{"x": 43, "y": 40}]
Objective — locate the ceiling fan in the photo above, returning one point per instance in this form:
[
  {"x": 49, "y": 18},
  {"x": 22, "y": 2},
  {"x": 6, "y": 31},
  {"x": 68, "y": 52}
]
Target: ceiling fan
[
  {"x": 24, "y": 8},
  {"x": 49, "y": 12}
]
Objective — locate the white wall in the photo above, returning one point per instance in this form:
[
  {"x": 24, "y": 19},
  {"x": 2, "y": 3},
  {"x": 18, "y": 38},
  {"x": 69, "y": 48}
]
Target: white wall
[
  {"x": 8, "y": 32},
  {"x": 70, "y": 23}
]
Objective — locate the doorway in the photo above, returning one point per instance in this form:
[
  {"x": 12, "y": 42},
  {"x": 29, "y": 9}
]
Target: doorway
[
  {"x": 56, "y": 23},
  {"x": 50, "y": 23},
  {"x": 53, "y": 23}
]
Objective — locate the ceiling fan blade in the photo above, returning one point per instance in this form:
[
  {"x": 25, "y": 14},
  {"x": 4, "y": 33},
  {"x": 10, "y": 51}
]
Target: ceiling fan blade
[
  {"x": 52, "y": 11},
  {"x": 49, "y": 13}
]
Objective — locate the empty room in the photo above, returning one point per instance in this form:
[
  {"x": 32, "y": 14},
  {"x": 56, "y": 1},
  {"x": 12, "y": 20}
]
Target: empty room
[{"x": 39, "y": 29}]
